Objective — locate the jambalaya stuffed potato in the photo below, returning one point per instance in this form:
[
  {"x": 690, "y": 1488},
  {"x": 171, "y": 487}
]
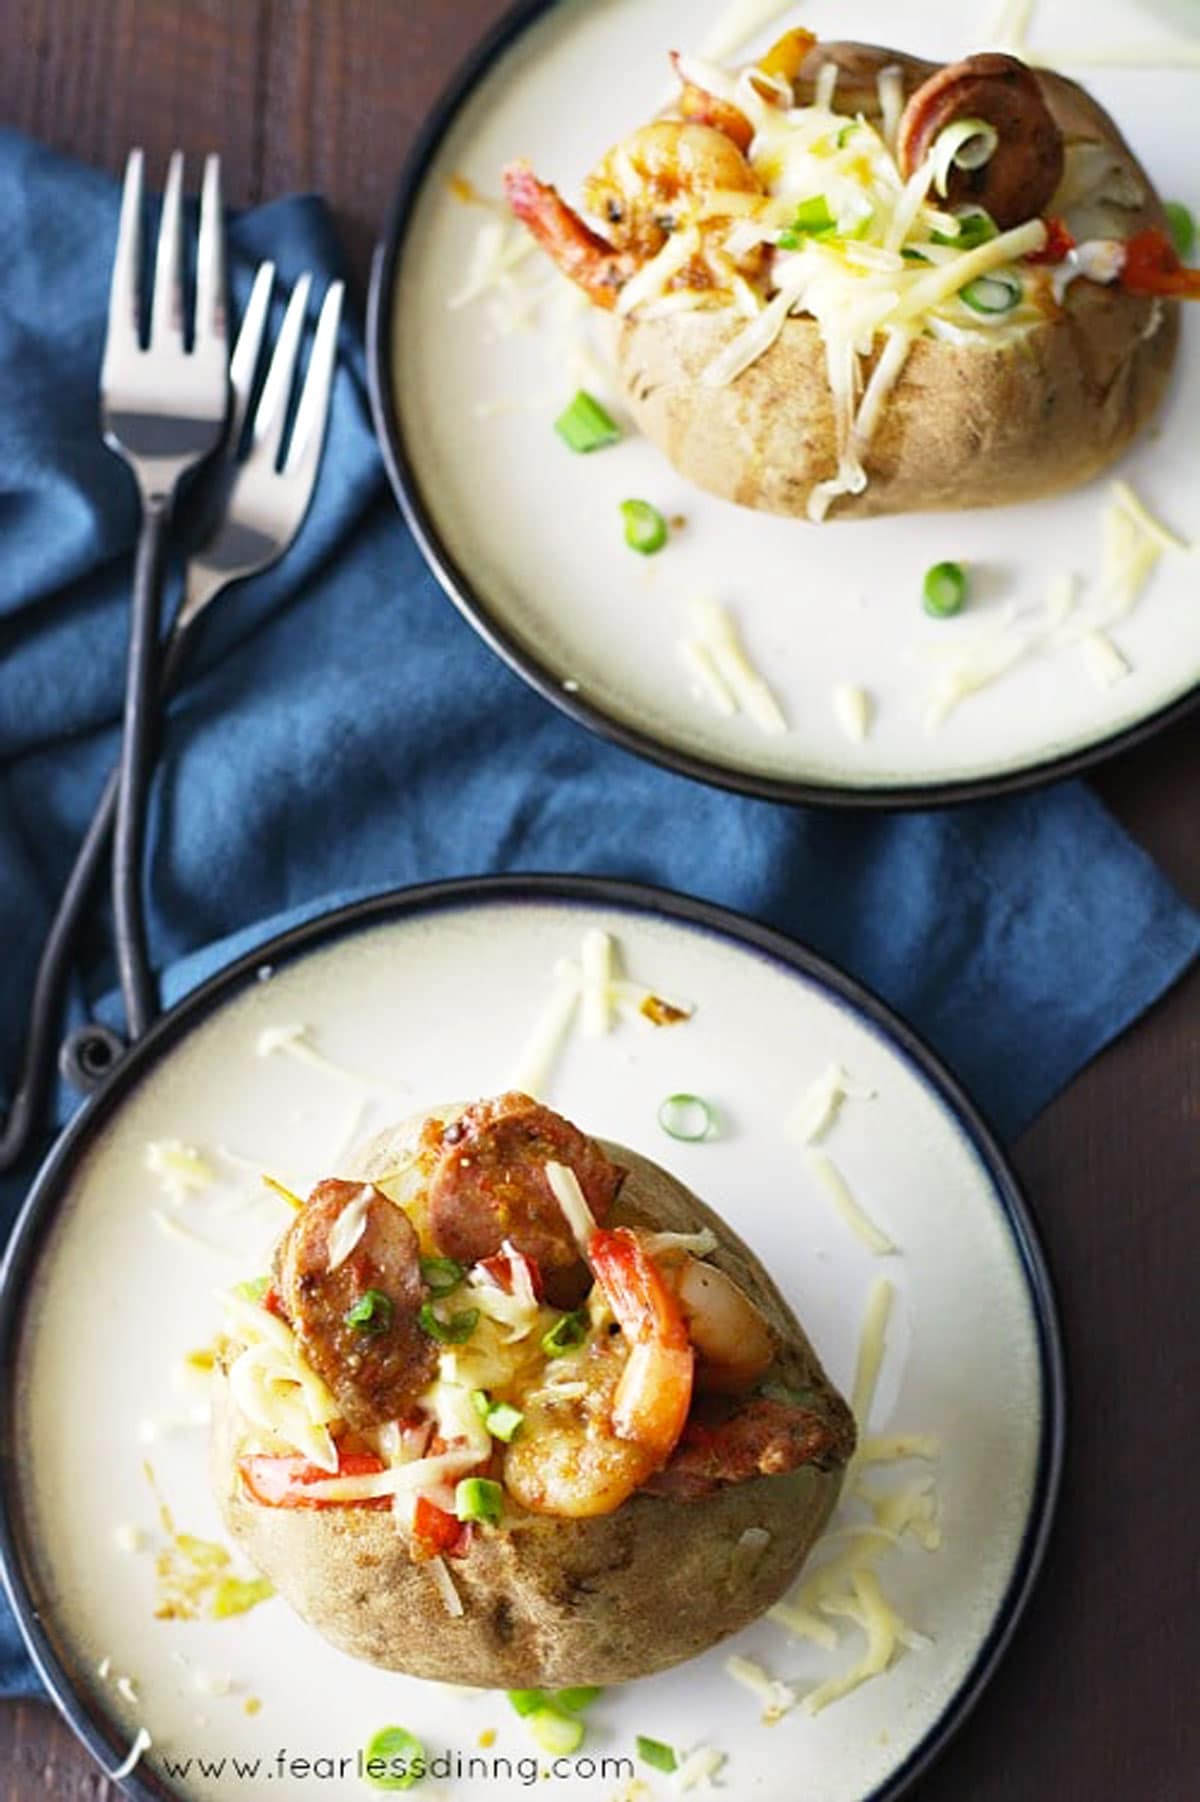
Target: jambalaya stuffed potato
[
  {"x": 517, "y": 1409},
  {"x": 848, "y": 280}
]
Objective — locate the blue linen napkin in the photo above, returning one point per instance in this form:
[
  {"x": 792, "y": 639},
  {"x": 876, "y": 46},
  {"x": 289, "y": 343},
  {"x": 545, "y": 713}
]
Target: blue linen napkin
[{"x": 342, "y": 730}]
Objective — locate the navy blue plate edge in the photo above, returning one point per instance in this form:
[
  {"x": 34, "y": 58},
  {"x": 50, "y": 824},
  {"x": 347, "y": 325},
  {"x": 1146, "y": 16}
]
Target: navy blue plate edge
[
  {"x": 459, "y": 589},
  {"x": 20, "y": 1259}
]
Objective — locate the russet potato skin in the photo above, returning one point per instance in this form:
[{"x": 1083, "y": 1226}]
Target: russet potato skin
[
  {"x": 552, "y": 1602},
  {"x": 966, "y": 426}
]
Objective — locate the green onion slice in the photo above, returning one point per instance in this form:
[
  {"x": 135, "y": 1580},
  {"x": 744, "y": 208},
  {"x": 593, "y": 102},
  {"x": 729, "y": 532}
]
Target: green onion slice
[
  {"x": 402, "y": 1752},
  {"x": 527, "y": 1701},
  {"x": 504, "y": 1422},
  {"x": 945, "y": 590},
  {"x": 454, "y": 1331},
  {"x": 993, "y": 294},
  {"x": 568, "y": 1331},
  {"x": 654, "y": 1752},
  {"x": 975, "y": 227},
  {"x": 813, "y": 217},
  {"x": 479, "y": 1498},
  {"x": 1183, "y": 228},
  {"x": 443, "y": 1275},
  {"x": 645, "y": 527},
  {"x": 576, "y": 1700},
  {"x": 556, "y": 1733},
  {"x": 255, "y": 1290},
  {"x": 846, "y": 133},
  {"x": 372, "y": 1313},
  {"x": 585, "y": 426},
  {"x": 687, "y": 1117}
]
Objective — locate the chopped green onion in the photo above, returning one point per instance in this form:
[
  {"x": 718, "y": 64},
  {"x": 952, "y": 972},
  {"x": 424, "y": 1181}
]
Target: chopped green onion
[
  {"x": 504, "y": 1422},
  {"x": 788, "y": 241},
  {"x": 481, "y": 1401},
  {"x": 558, "y": 1734},
  {"x": 585, "y": 426},
  {"x": 568, "y": 1331},
  {"x": 479, "y": 1498},
  {"x": 846, "y": 133},
  {"x": 372, "y": 1313},
  {"x": 442, "y": 1275},
  {"x": 1182, "y": 228},
  {"x": 455, "y": 1331},
  {"x": 527, "y": 1701},
  {"x": 686, "y": 1117},
  {"x": 975, "y": 227},
  {"x": 401, "y": 1755},
  {"x": 576, "y": 1700},
  {"x": 814, "y": 217},
  {"x": 945, "y": 590},
  {"x": 645, "y": 527},
  {"x": 993, "y": 293},
  {"x": 255, "y": 1290},
  {"x": 911, "y": 255},
  {"x": 654, "y": 1752}
]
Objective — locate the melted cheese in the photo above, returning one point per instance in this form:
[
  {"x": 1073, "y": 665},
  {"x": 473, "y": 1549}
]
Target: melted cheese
[{"x": 777, "y": 1698}]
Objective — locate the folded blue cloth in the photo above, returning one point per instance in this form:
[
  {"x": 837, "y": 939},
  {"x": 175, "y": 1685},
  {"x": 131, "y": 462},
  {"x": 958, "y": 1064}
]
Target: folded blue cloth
[{"x": 379, "y": 743}]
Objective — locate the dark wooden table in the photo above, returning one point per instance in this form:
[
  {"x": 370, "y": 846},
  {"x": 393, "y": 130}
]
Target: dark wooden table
[{"x": 1096, "y": 1700}]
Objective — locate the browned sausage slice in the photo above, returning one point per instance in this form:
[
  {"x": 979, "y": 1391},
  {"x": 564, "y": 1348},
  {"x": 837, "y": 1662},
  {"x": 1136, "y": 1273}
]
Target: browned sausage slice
[
  {"x": 763, "y": 1438},
  {"x": 1020, "y": 178},
  {"x": 375, "y": 1369},
  {"x": 489, "y": 1184}
]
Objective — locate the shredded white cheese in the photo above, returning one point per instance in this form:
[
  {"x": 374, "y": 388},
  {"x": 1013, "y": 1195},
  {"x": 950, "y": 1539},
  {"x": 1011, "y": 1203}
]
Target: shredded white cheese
[
  {"x": 895, "y": 1447},
  {"x": 596, "y": 961},
  {"x": 130, "y": 1538},
  {"x": 142, "y": 1743},
  {"x": 1105, "y": 663},
  {"x": 852, "y": 710},
  {"x": 185, "y": 1235},
  {"x": 443, "y": 1582},
  {"x": 1166, "y": 540},
  {"x": 564, "y": 1186},
  {"x": 181, "y": 1169},
  {"x": 296, "y": 1042},
  {"x": 537, "y": 1058},
  {"x": 697, "y": 1769},
  {"x": 698, "y": 659},
  {"x": 871, "y": 1347},
  {"x": 777, "y": 1698},
  {"x": 349, "y": 1227},
  {"x": 838, "y": 1189},
  {"x": 1012, "y": 25},
  {"x": 882, "y": 1626},
  {"x": 719, "y": 635},
  {"x": 817, "y": 1110},
  {"x": 127, "y": 1690},
  {"x": 890, "y": 87},
  {"x": 655, "y": 277}
]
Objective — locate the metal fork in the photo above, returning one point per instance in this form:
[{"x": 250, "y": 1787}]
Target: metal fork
[
  {"x": 263, "y": 509},
  {"x": 163, "y": 409}
]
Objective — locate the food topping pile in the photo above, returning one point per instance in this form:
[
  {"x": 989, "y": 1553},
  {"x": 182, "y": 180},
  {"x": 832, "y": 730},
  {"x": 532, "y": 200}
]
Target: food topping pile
[
  {"x": 474, "y": 1340},
  {"x": 812, "y": 184}
]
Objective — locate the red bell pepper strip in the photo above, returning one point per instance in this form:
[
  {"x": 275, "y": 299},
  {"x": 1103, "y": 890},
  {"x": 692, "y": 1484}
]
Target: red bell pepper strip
[
  {"x": 1152, "y": 266},
  {"x": 281, "y": 1482}
]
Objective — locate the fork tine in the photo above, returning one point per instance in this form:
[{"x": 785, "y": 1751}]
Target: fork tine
[
  {"x": 272, "y": 408},
  {"x": 166, "y": 313},
  {"x": 123, "y": 322},
  {"x": 304, "y": 451},
  {"x": 244, "y": 361},
  {"x": 210, "y": 260}
]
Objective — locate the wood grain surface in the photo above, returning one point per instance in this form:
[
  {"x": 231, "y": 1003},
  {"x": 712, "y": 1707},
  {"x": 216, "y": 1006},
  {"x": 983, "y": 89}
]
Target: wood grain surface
[{"x": 1093, "y": 1702}]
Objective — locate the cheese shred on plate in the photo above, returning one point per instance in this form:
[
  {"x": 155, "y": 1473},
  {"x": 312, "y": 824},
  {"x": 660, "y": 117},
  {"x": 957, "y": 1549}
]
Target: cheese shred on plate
[{"x": 849, "y": 1209}]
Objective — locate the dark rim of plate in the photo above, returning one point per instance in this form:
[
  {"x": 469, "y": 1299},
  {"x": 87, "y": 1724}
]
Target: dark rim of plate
[
  {"x": 474, "y": 606},
  {"x": 73, "y": 1690}
]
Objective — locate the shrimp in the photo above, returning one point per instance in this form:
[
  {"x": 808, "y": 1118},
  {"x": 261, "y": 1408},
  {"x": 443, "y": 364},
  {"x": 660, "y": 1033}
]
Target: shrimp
[
  {"x": 613, "y": 1415},
  {"x": 734, "y": 1344},
  {"x": 582, "y": 254},
  {"x": 647, "y": 186}
]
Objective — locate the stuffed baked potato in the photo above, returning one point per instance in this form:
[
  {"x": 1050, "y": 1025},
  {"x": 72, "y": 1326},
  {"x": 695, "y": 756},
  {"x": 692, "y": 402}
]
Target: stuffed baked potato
[
  {"x": 517, "y": 1409},
  {"x": 846, "y": 279}
]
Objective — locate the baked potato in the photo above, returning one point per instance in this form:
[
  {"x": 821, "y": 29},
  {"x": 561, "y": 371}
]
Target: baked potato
[
  {"x": 518, "y": 1410},
  {"x": 849, "y": 281}
]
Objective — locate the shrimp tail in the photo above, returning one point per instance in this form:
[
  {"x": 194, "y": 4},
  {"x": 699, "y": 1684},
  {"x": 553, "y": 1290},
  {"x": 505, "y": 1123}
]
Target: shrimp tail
[
  {"x": 699, "y": 107},
  {"x": 581, "y": 253}
]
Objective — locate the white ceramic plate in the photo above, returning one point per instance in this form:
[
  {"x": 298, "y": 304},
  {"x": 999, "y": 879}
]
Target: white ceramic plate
[
  {"x": 527, "y": 538},
  {"x": 434, "y": 994}
]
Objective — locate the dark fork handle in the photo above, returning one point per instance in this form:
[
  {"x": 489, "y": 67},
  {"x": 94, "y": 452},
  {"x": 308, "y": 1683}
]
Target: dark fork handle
[
  {"x": 135, "y": 770},
  {"x": 41, "y": 1038}
]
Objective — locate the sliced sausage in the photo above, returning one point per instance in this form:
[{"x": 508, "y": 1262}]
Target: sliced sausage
[
  {"x": 1020, "y": 178},
  {"x": 489, "y": 1184},
  {"x": 376, "y": 1368},
  {"x": 762, "y": 1438}
]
